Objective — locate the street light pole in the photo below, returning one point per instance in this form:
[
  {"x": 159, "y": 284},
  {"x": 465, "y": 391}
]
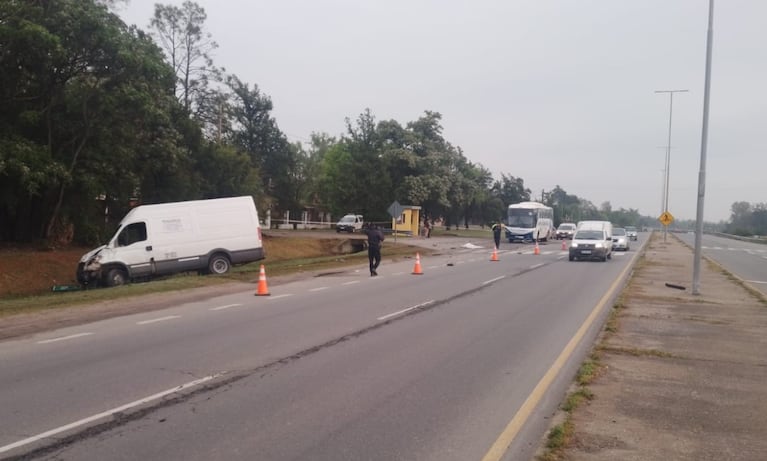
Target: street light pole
[
  {"x": 668, "y": 151},
  {"x": 703, "y": 147}
]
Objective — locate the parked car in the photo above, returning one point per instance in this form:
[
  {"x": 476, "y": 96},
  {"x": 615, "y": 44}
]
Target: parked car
[
  {"x": 631, "y": 232},
  {"x": 350, "y": 223},
  {"x": 566, "y": 230},
  {"x": 620, "y": 239}
]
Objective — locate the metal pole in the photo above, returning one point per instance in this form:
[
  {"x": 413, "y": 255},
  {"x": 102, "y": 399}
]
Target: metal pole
[
  {"x": 703, "y": 146},
  {"x": 668, "y": 152}
]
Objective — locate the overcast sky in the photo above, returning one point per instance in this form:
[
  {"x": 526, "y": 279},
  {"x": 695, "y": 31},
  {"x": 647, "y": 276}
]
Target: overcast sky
[{"x": 555, "y": 92}]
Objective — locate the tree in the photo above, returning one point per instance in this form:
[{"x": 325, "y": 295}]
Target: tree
[
  {"x": 511, "y": 190},
  {"x": 79, "y": 89},
  {"x": 255, "y": 132},
  {"x": 188, "y": 47}
]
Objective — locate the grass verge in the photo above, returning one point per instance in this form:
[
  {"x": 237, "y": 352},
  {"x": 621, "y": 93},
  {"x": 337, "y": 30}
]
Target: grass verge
[{"x": 285, "y": 256}]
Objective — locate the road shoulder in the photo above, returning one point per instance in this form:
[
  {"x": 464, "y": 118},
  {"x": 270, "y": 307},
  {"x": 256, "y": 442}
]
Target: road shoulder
[{"x": 680, "y": 376}]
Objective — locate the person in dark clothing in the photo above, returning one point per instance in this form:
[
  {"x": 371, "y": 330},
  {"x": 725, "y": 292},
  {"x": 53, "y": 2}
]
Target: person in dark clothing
[
  {"x": 375, "y": 239},
  {"x": 497, "y": 230}
]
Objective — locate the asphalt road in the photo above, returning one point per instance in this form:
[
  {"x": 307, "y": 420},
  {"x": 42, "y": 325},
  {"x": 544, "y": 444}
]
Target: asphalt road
[
  {"x": 472, "y": 354},
  {"x": 745, "y": 259}
]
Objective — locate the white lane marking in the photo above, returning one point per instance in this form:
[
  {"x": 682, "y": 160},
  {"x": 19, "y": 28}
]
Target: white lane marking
[
  {"x": 393, "y": 314},
  {"x": 219, "y": 308},
  {"x": 63, "y": 338},
  {"x": 351, "y": 283},
  {"x": 161, "y": 319},
  {"x": 755, "y": 281},
  {"x": 493, "y": 280},
  {"x": 107, "y": 413},
  {"x": 281, "y": 296},
  {"x": 536, "y": 266},
  {"x": 319, "y": 288}
]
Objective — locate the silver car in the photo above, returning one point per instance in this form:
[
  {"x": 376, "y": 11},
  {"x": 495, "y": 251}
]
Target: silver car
[{"x": 620, "y": 239}]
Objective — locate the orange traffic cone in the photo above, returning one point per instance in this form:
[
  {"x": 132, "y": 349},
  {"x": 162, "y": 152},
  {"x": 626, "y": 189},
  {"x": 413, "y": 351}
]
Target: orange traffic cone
[
  {"x": 495, "y": 254},
  {"x": 537, "y": 249},
  {"x": 564, "y": 244},
  {"x": 262, "y": 289},
  {"x": 417, "y": 269}
]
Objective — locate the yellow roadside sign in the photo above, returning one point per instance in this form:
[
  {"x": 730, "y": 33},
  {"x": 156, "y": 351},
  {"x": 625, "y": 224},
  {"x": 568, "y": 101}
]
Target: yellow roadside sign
[{"x": 666, "y": 218}]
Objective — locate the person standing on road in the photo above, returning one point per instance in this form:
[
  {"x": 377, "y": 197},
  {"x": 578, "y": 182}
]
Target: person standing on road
[
  {"x": 375, "y": 239},
  {"x": 497, "y": 229}
]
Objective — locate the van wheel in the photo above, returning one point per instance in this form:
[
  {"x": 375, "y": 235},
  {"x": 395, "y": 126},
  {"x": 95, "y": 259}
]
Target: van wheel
[
  {"x": 219, "y": 264},
  {"x": 115, "y": 278}
]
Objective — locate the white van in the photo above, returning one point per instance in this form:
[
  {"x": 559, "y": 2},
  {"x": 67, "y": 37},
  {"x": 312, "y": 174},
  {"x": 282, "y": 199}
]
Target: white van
[
  {"x": 592, "y": 239},
  {"x": 350, "y": 223},
  {"x": 207, "y": 236}
]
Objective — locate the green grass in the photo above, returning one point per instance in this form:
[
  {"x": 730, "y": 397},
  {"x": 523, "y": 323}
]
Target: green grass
[{"x": 558, "y": 439}]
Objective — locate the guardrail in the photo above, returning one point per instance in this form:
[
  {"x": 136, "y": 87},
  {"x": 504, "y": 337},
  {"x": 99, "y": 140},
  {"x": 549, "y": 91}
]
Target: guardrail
[{"x": 762, "y": 240}]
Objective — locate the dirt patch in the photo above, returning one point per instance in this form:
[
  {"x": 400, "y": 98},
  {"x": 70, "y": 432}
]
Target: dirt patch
[{"x": 30, "y": 270}]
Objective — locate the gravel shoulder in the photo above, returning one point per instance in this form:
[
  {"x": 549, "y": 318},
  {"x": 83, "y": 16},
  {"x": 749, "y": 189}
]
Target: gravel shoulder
[{"x": 683, "y": 377}]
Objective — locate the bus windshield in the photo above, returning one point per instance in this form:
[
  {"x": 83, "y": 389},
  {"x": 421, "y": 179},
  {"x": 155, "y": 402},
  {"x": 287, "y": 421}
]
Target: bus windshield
[{"x": 519, "y": 217}]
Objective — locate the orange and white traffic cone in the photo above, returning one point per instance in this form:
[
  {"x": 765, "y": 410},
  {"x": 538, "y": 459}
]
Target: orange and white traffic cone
[
  {"x": 564, "y": 244},
  {"x": 417, "y": 269},
  {"x": 262, "y": 289},
  {"x": 495, "y": 254},
  {"x": 537, "y": 249}
]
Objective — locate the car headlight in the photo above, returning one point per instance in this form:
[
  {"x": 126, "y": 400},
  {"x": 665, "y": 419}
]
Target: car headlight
[
  {"x": 573, "y": 245},
  {"x": 598, "y": 245}
]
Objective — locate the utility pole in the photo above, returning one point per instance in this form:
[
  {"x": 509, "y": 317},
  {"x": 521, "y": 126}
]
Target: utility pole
[
  {"x": 703, "y": 147},
  {"x": 668, "y": 152}
]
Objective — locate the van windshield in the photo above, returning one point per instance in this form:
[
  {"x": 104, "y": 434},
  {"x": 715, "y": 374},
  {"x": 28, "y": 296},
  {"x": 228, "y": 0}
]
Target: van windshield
[
  {"x": 589, "y": 235},
  {"x": 347, "y": 219}
]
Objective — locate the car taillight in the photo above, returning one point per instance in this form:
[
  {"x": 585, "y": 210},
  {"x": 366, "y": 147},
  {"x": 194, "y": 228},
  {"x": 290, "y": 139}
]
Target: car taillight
[{"x": 259, "y": 233}]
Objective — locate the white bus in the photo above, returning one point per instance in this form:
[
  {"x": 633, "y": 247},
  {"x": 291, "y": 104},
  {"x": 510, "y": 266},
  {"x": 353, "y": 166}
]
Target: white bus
[{"x": 529, "y": 221}]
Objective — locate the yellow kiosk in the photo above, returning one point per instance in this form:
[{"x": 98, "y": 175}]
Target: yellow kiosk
[{"x": 409, "y": 222}]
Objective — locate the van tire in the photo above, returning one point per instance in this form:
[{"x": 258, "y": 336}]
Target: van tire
[
  {"x": 115, "y": 277},
  {"x": 219, "y": 264}
]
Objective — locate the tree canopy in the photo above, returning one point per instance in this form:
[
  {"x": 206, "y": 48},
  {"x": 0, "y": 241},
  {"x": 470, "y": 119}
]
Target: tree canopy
[{"x": 97, "y": 116}]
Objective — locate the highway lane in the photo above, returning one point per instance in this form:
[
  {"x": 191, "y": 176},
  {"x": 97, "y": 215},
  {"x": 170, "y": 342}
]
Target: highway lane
[
  {"x": 127, "y": 358},
  {"x": 745, "y": 259}
]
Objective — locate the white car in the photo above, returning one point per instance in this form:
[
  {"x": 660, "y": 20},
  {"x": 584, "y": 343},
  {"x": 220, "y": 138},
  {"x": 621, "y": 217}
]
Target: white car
[
  {"x": 620, "y": 239},
  {"x": 631, "y": 232}
]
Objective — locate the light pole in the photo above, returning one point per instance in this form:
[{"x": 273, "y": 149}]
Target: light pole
[
  {"x": 703, "y": 147},
  {"x": 668, "y": 150}
]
